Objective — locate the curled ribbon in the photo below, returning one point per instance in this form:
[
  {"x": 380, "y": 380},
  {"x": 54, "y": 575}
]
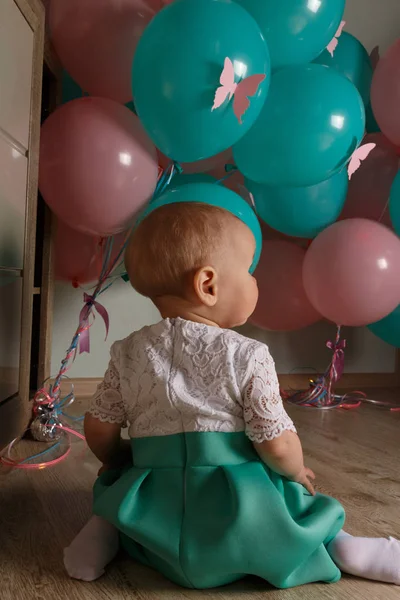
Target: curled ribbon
[
  {"x": 90, "y": 303},
  {"x": 337, "y": 365}
]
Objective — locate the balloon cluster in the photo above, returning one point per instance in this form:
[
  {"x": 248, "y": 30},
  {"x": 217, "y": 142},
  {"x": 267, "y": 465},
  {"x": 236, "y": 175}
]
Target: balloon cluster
[{"x": 279, "y": 91}]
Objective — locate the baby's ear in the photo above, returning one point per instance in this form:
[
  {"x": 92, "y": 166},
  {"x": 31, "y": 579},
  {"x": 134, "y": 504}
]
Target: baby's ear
[{"x": 205, "y": 286}]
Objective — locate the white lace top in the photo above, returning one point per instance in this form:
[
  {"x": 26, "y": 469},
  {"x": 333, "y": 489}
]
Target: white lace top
[{"x": 179, "y": 376}]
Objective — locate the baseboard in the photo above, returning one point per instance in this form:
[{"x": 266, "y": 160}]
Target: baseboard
[
  {"x": 349, "y": 381},
  {"x": 85, "y": 387}
]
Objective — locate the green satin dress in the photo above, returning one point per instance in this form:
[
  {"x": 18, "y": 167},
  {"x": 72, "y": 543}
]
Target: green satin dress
[{"x": 203, "y": 509}]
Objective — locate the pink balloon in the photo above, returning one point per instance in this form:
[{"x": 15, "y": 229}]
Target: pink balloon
[
  {"x": 282, "y": 304},
  {"x": 79, "y": 257},
  {"x": 369, "y": 187},
  {"x": 157, "y": 5},
  {"x": 385, "y": 93},
  {"x": 97, "y": 166},
  {"x": 96, "y": 42},
  {"x": 352, "y": 272}
]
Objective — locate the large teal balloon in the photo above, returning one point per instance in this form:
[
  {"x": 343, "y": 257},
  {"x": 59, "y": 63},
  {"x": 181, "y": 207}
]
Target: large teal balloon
[
  {"x": 394, "y": 203},
  {"x": 301, "y": 211},
  {"x": 388, "y": 329},
  {"x": 311, "y": 123},
  {"x": 296, "y": 30},
  {"x": 215, "y": 195},
  {"x": 351, "y": 60},
  {"x": 177, "y": 68}
]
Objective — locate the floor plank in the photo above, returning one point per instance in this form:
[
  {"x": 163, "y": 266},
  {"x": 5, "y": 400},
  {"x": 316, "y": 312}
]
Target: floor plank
[{"x": 355, "y": 455}]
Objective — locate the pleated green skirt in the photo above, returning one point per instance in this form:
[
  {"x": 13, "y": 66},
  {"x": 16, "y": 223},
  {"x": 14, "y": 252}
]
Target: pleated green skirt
[{"x": 202, "y": 509}]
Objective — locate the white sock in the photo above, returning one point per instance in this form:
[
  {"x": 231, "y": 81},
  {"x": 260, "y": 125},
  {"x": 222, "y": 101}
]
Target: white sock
[
  {"x": 92, "y": 549},
  {"x": 370, "y": 558}
]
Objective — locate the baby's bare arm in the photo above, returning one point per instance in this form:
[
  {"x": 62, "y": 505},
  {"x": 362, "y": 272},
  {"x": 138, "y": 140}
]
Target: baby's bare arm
[
  {"x": 284, "y": 455},
  {"x": 104, "y": 440}
]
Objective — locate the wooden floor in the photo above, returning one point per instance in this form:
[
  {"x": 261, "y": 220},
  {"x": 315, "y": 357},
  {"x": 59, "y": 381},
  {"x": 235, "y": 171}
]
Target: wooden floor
[{"x": 355, "y": 455}]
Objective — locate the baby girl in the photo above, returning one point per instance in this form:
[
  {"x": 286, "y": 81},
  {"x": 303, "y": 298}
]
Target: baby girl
[{"x": 212, "y": 485}]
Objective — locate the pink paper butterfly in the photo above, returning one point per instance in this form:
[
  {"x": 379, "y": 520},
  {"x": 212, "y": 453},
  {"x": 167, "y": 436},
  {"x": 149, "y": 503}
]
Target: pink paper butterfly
[
  {"x": 374, "y": 57},
  {"x": 240, "y": 91},
  {"x": 359, "y": 155},
  {"x": 331, "y": 47}
]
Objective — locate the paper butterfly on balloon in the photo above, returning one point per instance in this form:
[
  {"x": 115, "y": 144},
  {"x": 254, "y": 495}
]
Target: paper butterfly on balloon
[
  {"x": 359, "y": 155},
  {"x": 331, "y": 47},
  {"x": 241, "y": 91}
]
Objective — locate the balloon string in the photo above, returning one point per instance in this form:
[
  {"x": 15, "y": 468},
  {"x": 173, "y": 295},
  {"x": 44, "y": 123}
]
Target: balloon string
[
  {"x": 23, "y": 464},
  {"x": 47, "y": 403},
  {"x": 230, "y": 170},
  {"x": 384, "y": 210},
  {"x": 321, "y": 395}
]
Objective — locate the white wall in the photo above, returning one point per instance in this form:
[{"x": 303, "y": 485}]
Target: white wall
[{"x": 373, "y": 22}]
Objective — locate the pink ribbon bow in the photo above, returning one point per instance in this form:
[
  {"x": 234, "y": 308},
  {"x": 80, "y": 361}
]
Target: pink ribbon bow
[
  {"x": 90, "y": 303},
  {"x": 337, "y": 364}
]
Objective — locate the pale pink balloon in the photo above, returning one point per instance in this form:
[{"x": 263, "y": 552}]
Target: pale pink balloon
[
  {"x": 79, "y": 257},
  {"x": 385, "y": 93},
  {"x": 97, "y": 166},
  {"x": 96, "y": 42},
  {"x": 283, "y": 304},
  {"x": 155, "y": 5},
  {"x": 352, "y": 272},
  {"x": 369, "y": 187}
]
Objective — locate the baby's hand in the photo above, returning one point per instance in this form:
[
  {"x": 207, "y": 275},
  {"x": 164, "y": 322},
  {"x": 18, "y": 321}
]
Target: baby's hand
[{"x": 304, "y": 478}]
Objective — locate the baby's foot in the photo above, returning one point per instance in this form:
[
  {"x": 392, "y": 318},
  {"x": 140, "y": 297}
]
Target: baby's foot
[
  {"x": 92, "y": 549},
  {"x": 370, "y": 558}
]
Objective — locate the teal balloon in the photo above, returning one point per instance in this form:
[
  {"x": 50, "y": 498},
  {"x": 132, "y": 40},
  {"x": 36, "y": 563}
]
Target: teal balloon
[
  {"x": 311, "y": 123},
  {"x": 388, "y": 329},
  {"x": 296, "y": 30},
  {"x": 394, "y": 203},
  {"x": 301, "y": 211},
  {"x": 351, "y": 60},
  {"x": 215, "y": 195},
  {"x": 177, "y": 69},
  {"x": 187, "y": 178}
]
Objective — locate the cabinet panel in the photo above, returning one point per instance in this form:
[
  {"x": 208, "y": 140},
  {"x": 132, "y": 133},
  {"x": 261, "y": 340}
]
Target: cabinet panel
[
  {"x": 10, "y": 333},
  {"x": 16, "y": 53},
  {"x": 13, "y": 176}
]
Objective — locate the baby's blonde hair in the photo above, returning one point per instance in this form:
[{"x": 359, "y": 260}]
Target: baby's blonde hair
[{"x": 172, "y": 243}]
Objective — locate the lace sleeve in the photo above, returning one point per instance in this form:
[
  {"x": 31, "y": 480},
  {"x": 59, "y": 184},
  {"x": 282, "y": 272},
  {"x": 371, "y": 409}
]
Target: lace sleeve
[
  {"x": 107, "y": 404},
  {"x": 264, "y": 414}
]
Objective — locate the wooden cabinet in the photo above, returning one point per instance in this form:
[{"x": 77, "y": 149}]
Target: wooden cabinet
[
  {"x": 13, "y": 182},
  {"x": 21, "y": 69},
  {"x": 17, "y": 39}
]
